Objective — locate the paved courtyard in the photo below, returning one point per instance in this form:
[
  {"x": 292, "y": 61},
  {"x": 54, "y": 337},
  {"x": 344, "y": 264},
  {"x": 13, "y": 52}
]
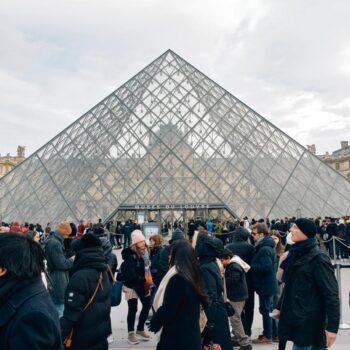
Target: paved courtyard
[{"x": 120, "y": 328}]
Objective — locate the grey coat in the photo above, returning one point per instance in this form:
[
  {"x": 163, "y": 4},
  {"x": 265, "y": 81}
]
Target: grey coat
[{"x": 58, "y": 267}]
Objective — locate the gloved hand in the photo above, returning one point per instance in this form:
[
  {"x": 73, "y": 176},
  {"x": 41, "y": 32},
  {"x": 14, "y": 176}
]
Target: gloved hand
[
  {"x": 207, "y": 334},
  {"x": 154, "y": 326}
]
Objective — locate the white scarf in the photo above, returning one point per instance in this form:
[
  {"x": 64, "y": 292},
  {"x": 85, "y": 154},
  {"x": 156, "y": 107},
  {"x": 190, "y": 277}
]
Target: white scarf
[
  {"x": 159, "y": 297},
  {"x": 236, "y": 259}
]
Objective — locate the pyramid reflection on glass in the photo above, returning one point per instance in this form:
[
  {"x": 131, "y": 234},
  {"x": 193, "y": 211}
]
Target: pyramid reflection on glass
[{"x": 171, "y": 135}]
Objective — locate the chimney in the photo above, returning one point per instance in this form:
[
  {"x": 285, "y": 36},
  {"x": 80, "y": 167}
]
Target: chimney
[
  {"x": 311, "y": 148},
  {"x": 344, "y": 144}
]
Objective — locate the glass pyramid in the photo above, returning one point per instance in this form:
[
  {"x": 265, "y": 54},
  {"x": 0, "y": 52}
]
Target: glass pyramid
[{"x": 171, "y": 135}]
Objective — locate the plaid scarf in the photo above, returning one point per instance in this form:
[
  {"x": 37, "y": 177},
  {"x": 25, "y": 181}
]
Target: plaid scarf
[{"x": 148, "y": 276}]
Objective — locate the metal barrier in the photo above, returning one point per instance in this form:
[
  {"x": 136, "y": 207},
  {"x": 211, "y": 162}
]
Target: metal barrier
[{"x": 338, "y": 268}]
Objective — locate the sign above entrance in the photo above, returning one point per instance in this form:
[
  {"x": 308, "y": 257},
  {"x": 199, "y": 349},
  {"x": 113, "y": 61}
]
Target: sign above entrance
[{"x": 172, "y": 206}]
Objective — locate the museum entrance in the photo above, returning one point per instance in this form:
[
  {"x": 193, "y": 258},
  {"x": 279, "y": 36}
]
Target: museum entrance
[{"x": 170, "y": 217}]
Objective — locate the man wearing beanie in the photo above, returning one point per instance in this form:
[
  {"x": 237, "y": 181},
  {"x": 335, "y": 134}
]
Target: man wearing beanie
[
  {"x": 309, "y": 312},
  {"x": 57, "y": 264}
]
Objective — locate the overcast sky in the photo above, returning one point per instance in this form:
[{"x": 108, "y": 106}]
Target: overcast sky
[{"x": 289, "y": 60}]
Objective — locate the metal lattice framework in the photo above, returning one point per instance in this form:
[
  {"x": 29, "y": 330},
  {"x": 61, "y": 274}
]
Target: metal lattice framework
[{"x": 171, "y": 135}]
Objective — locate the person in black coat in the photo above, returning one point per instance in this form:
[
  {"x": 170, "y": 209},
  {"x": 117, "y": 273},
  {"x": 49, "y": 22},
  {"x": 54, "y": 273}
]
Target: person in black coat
[
  {"x": 208, "y": 249},
  {"x": 177, "y": 315},
  {"x": 309, "y": 306},
  {"x": 164, "y": 253},
  {"x": 263, "y": 266},
  {"x": 156, "y": 245},
  {"x": 88, "y": 285},
  {"x": 241, "y": 247},
  {"x": 58, "y": 265},
  {"x": 28, "y": 319}
]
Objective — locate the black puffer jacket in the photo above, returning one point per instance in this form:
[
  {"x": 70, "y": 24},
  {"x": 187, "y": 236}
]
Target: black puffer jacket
[
  {"x": 236, "y": 285},
  {"x": 134, "y": 271},
  {"x": 310, "y": 302},
  {"x": 92, "y": 326}
]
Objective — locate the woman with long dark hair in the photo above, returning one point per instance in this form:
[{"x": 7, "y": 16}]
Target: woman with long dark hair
[{"x": 177, "y": 302}]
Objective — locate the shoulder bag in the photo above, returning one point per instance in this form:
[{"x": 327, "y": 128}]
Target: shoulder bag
[{"x": 68, "y": 341}]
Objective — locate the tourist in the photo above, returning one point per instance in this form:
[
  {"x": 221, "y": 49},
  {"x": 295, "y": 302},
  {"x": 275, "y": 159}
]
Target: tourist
[
  {"x": 263, "y": 267},
  {"x": 241, "y": 247},
  {"x": 86, "y": 318},
  {"x": 57, "y": 264},
  {"x": 237, "y": 294},
  {"x": 275, "y": 235},
  {"x": 164, "y": 253},
  {"x": 208, "y": 249},
  {"x": 80, "y": 228},
  {"x": 177, "y": 302},
  {"x": 156, "y": 245},
  {"x": 135, "y": 267},
  {"x": 28, "y": 319},
  {"x": 309, "y": 315},
  {"x": 126, "y": 230}
]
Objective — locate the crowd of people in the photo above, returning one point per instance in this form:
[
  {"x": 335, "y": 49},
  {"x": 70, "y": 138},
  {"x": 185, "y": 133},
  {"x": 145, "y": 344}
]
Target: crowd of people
[{"x": 195, "y": 290}]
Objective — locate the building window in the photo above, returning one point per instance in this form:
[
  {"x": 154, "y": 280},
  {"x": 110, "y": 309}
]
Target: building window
[{"x": 337, "y": 166}]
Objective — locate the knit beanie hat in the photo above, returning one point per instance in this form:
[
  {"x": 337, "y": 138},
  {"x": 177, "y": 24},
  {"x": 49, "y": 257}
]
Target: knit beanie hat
[
  {"x": 177, "y": 234},
  {"x": 64, "y": 228},
  {"x": 89, "y": 240},
  {"x": 136, "y": 237},
  {"x": 307, "y": 227}
]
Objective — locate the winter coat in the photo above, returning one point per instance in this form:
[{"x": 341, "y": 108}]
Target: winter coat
[
  {"x": 216, "y": 312},
  {"x": 155, "y": 258},
  {"x": 28, "y": 318},
  {"x": 134, "y": 271},
  {"x": 92, "y": 326},
  {"x": 332, "y": 229},
  {"x": 58, "y": 267},
  {"x": 243, "y": 249},
  {"x": 111, "y": 258},
  {"x": 236, "y": 285},
  {"x": 263, "y": 267},
  {"x": 309, "y": 298},
  {"x": 208, "y": 249},
  {"x": 127, "y": 228},
  {"x": 179, "y": 317}
]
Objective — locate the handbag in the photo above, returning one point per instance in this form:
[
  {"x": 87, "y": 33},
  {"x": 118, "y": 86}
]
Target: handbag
[
  {"x": 68, "y": 341},
  {"x": 115, "y": 289},
  {"x": 229, "y": 308}
]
